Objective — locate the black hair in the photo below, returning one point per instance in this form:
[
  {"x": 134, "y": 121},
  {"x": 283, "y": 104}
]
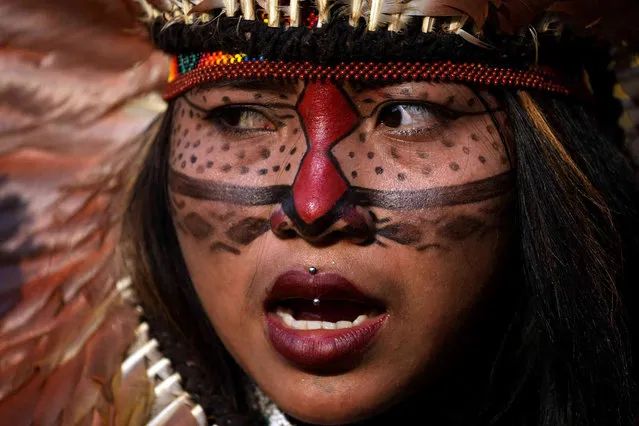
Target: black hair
[{"x": 564, "y": 352}]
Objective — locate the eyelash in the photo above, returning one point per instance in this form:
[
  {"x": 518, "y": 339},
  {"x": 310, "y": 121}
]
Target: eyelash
[
  {"x": 440, "y": 114},
  {"x": 216, "y": 117}
]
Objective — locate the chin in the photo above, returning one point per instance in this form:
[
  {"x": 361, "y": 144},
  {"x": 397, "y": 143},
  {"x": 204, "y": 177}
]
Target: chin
[{"x": 337, "y": 408}]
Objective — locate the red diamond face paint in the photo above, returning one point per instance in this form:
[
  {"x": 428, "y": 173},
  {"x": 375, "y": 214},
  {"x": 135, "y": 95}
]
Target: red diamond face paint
[
  {"x": 400, "y": 195},
  {"x": 327, "y": 116}
]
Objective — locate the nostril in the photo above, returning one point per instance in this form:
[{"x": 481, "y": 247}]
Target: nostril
[
  {"x": 358, "y": 236},
  {"x": 285, "y": 232},
  {"x": 281, "y": 225},
  {"x": 348, "y": 223},
  {"x": 358, "y": 223}
]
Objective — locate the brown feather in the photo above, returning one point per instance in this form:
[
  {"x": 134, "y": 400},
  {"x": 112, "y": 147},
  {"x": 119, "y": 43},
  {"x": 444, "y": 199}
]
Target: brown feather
[
  {"x": 515, "y": 15},
  {"x": 614, "y": 20},
  {"x": 476, "y": 9},
  {"x": 57, "y": 391},
  {"x": 133, "y": 396},
  {"x": 72, "y": 132}
]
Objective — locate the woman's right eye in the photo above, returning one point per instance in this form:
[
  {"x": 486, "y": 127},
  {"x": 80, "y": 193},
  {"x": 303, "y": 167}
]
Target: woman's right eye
[{"x": 241, "y": 120}]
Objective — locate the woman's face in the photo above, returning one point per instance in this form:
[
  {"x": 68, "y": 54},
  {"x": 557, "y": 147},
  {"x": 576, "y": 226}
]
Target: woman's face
[{"x": 339, "y": 235}]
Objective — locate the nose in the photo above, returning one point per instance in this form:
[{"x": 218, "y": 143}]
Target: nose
[
  {"x": 327, "y": 116},
  {"x": 318, "y": 206},
  {"x": 349, "y": 222}
]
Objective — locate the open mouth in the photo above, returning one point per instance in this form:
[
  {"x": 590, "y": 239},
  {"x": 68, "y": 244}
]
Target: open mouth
[
  {"x": 319, "y": 320},
  {"x": 318, "y": 314}
]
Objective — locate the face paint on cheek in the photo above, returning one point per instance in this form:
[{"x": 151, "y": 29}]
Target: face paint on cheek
[
  {"x": 218, "y": 229},
  {"x": 440, "y": 218},
  {"x": 201, "y": 203},
  {"x": 216, "y": 199},
  {"x": 248, "y": 230}
]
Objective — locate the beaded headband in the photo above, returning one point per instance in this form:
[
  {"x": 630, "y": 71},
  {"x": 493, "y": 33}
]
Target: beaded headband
[
  {"x": 191, "y": 70},
  {"x": 485, "y": 42}
]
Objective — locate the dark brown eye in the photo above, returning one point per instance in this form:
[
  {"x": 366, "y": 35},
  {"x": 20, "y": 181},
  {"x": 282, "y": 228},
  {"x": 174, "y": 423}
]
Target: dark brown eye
[
  {"x": 407, "y": 118},
  {"x": 391, "y": 116},
  {"x": 242, "y": 119}
]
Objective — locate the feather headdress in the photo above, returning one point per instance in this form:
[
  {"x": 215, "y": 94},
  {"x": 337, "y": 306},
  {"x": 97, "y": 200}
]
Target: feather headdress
[
  {"x": 79, "y": 104},
  {"x": 614, "y": 19}
]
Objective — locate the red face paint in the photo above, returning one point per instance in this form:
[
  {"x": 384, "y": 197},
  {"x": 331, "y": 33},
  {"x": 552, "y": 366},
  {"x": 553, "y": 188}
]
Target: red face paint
[{"x": 328, "y": 116}]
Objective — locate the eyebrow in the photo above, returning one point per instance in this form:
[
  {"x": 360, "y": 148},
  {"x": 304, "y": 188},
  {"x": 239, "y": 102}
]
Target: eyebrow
[
  {"x": 372, "y": 85},
  {"x": 274, "y": 87}
]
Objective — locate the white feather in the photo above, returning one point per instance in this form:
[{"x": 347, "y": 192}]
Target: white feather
[
  {"x": 231, "y": 6},
  {"x": 398, "y": 22},
  {"x": 273, "y": 13},
  {"x": 357, "y": 9},
  {"x": 248, "y": 9},
  {"x": 375, "y": 15},
  {"x": 474, "y": 40},
  {"x": 427, "y": 24},
  {"x": 323, "y": 15},
  {"x": 294, "y": 13}
]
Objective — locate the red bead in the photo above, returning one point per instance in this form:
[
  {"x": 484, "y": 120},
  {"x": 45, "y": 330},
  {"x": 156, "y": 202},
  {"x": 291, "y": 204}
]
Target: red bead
[{"x": 541, "y": 79}]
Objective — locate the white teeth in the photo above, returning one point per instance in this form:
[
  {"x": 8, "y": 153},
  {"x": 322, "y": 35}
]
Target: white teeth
[
  {"x": 289, "y": 320},
  {"x": 286, "y": 315},
  {"x": 360, "y": 319},
  {"x": 314, "y": 325},
  {"x": 300, "y": 325},
  {"x": 344, "y": 324},
  {"x": 328, "y": 325},
  {"x": 283, "y": 311}
]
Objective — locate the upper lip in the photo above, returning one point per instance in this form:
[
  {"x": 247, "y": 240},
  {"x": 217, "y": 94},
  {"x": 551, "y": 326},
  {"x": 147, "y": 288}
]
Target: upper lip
[{"x": 324, "y": 286}]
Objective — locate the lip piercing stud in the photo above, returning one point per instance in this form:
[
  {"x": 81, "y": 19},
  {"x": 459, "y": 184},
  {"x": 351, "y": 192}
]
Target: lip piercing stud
[
  {"x": 316, "y": 301},
  {"x": 312, "y": 270}
]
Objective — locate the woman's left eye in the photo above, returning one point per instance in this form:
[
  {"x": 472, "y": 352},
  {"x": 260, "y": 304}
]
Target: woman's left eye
[{"x": 410, "y": 119}]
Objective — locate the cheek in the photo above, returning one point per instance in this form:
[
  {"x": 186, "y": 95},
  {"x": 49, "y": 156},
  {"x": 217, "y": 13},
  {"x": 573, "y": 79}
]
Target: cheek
[
  {"x": 219, "y": 242},
  {"x": 457, "y": 264},
  {"x": 221, "y": 280},
  {"x": 447, "y": 255},
  {"x": 469, "y": 151},
  {"x": 199, "y": 150}
]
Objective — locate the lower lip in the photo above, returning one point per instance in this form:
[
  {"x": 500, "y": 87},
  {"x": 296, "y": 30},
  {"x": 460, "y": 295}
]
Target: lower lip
[{"x": 319, "y": 348}]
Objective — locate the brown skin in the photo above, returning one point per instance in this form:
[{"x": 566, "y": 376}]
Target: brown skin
[{"x": 429, "y": 265}]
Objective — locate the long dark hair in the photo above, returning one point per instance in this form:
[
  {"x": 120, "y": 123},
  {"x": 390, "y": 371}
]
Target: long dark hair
[{"x": 564, "y": 358}]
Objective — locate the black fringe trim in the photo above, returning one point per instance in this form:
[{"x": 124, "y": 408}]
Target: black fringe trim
[
  {"x": 338, "y": 42},
  {"x": 196, "y": 379}
]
